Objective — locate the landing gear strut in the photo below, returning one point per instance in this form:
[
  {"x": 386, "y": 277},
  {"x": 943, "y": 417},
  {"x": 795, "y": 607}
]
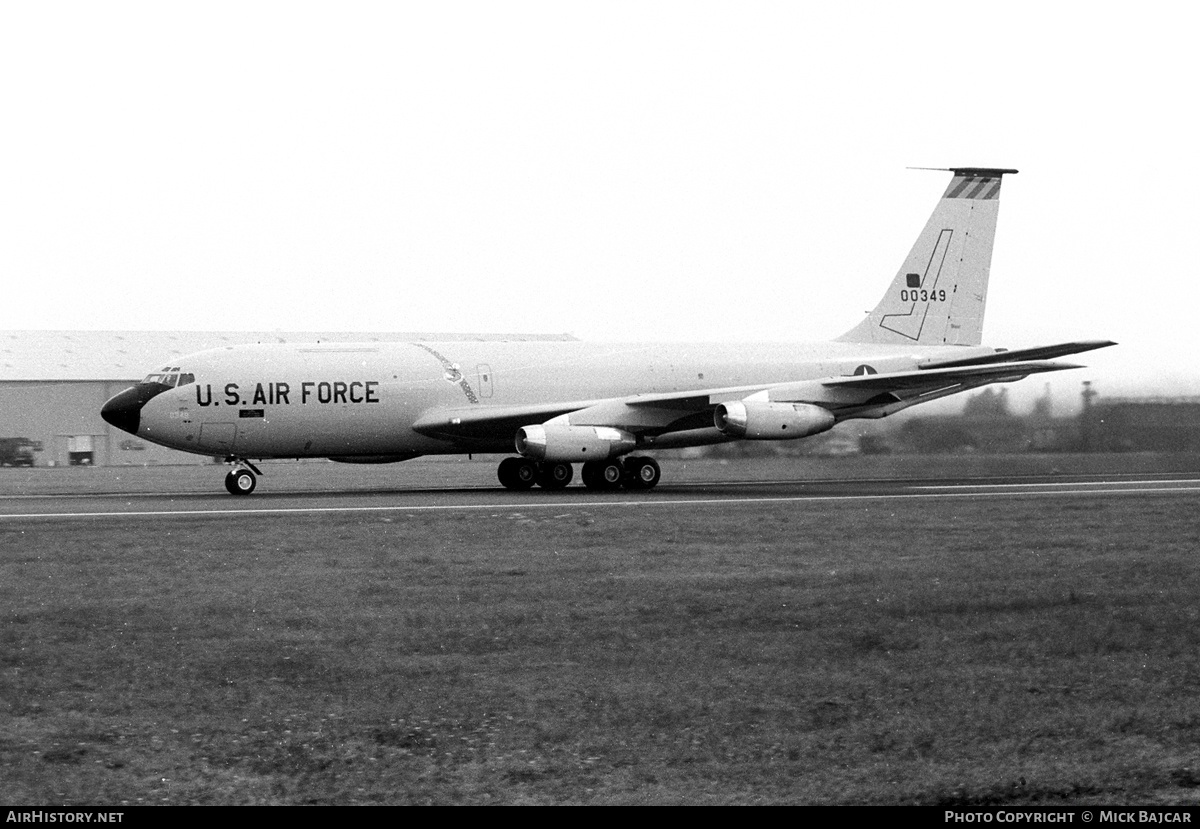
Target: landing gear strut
[{"x": 241, "y": 480}]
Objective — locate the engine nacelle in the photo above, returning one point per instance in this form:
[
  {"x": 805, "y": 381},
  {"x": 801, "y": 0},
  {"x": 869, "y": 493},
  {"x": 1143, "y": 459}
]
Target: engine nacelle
[
  {"x": 760, "y": 420},
  {"x": 563, "y": 442}
]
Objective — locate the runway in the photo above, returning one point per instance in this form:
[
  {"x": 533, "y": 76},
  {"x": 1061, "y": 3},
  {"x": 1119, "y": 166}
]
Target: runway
[{"x": 724, "y": 494}]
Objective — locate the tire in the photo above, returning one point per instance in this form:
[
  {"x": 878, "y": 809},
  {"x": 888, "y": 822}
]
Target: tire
[
  {"x": 588, "y": 473},
  {"x": 517, "y": 473},
  {"x": 554, "y": 475},
  {"x": 240, "y": 482},
  {"x": 504, "y": 472},
  {"x": 612, "y": 473},
  {"x": 641, "y": 473},
  {"x": 603, "y": 475}
]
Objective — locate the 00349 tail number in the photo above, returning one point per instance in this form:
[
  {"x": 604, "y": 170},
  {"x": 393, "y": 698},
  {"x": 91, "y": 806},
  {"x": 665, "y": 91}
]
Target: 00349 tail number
[{"x": 914, "y": 295}]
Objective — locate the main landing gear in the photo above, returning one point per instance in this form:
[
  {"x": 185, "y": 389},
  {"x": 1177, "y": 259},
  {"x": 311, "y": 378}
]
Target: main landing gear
[
  {"x": 614, "y": 473},
  {"x": 241, "y": 480}
]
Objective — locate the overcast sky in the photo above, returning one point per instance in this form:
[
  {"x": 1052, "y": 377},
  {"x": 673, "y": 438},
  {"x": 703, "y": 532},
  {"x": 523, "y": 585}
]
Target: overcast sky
[{"x": 670, "y": 171}]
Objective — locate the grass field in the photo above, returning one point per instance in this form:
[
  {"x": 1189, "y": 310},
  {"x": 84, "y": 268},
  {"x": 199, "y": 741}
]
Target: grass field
[{"x": 1019, "y": 651}]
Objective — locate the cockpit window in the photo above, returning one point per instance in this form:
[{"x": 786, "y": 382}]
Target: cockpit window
[{"x": 169, "y": 377}]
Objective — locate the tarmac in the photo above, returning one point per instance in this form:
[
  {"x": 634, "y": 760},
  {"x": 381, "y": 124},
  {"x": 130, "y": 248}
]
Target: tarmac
[{"x": 725, "y": 495}]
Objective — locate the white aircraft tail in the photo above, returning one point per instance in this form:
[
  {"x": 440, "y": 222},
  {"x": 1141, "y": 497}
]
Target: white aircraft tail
[{"x": 938, "y": 296}]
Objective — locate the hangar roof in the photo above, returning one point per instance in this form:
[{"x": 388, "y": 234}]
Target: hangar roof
[{"x": 129, "y": 355}]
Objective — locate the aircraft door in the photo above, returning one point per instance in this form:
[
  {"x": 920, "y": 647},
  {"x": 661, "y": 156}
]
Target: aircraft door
[{"x": 485, "y": 380}]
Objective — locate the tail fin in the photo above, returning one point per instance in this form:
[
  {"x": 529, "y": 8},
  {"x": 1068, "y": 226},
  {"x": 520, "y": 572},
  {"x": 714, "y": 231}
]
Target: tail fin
[{"x": 939, "y": 294}]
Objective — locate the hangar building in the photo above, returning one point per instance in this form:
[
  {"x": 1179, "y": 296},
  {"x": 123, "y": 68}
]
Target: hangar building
[
  {"x": 53, "y": 383},
  {"x": 1142, "y": 424}
]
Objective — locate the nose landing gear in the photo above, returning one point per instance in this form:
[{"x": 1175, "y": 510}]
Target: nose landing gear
[{"x": 241, "y": 480}]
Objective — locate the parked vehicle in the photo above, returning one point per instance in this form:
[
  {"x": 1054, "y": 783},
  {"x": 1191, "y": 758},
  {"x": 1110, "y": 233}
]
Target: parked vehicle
[{"x": 17, "y": 451}]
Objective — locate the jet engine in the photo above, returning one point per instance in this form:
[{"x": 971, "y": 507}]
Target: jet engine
[
  {"x": 563, "y": 442},
  {"x": 760, "y": 420}
]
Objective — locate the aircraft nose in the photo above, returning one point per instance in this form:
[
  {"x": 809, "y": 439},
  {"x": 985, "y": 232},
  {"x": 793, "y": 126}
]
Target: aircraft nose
[{"x": 124, "y": 410}]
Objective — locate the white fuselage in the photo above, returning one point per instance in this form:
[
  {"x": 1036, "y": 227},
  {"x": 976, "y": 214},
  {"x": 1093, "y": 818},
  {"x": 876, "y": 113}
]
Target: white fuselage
[{"x": 346, "y": 400}]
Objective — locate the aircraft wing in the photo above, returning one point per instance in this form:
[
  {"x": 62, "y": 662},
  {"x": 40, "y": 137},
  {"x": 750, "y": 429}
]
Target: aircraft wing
[
  {"x": 940, "y": 377},
  {"x": 651, "y": 415},
  {"x": 1041, "y": 352}
]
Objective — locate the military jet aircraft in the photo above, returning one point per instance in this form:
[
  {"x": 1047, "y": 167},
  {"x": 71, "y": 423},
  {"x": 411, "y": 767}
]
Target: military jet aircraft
[{"x": 555, "y": 404}]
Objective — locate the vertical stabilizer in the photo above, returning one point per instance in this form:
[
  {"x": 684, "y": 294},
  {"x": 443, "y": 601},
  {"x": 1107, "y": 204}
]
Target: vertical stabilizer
[{"x": 938, "y": 296}]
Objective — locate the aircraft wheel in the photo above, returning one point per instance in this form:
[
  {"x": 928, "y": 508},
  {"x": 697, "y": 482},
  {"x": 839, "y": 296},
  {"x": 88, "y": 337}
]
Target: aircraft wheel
[
  {"x": 587, "y": 474},
  {"x": 554, "y": 475},
  {"x": 603, "y": 475},
  {"x": 611, "y": 474},
  {"x": 641, "y": 473},
  {"x": 517, "y": 473},
  {"x": 240, "y": 482}
]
